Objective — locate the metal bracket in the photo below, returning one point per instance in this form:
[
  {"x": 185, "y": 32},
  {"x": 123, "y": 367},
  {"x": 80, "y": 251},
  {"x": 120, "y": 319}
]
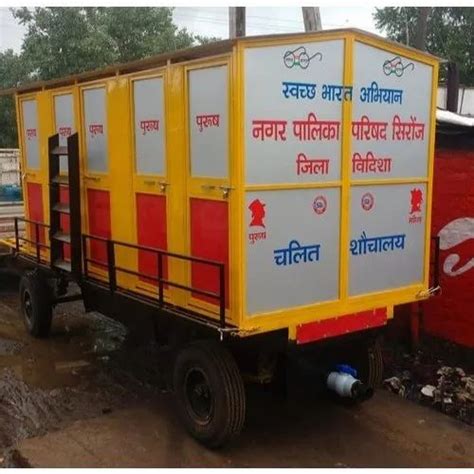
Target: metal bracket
[{"x": 434, "y": 290}]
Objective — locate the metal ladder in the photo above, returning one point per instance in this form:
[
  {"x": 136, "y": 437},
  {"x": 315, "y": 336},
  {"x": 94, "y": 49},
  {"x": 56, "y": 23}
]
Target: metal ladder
[{"x": 58, "y": 236}]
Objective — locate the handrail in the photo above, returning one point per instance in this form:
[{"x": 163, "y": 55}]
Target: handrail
[
  {"x": 112, "y": 270},
  {"x": 154, "y": 250},
  {"x": 36, "y": 242}
]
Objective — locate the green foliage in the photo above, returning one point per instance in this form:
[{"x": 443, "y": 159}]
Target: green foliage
[
  {"x": 12, "y": 71},
  {"x": 206, "y": 39},
  {"x": 450, "y": 33},
  {"x": 63, "y": 41},
  {"x": 141, "y": 32}
]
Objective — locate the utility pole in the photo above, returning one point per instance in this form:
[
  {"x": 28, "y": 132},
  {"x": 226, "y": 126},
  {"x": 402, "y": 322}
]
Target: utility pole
[
  {"x": 452, "y": 87},
  {"x": 236, "y": 22},
  {"x": 312, "y": 19},
  {"x": 421, "y": 27}
]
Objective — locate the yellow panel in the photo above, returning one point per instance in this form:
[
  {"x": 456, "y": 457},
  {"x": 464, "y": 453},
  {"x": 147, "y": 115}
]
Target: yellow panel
[
  {"x": 288, "y": 318},
  {"x": 122, "y": 182},
  {"x": 176, "y": 151},
  {"x": 345, "y": 172},
  {"x": 120, "y": 172}
]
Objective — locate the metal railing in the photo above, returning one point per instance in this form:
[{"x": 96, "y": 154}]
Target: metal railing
[
  {"x": 113, "y": 268},
  {"x": 37, "y": 242}
]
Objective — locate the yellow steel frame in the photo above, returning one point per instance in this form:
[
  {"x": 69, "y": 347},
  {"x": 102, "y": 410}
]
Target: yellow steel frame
[
  {"x": 59, "y": 92},
  {"x": 36, "y": 175},
  {"x": 122, "y": 181},
  {"x": 194, "y": 185},
  {"x": 147, "y": 184},
  {"x": 291, "y": 317}
]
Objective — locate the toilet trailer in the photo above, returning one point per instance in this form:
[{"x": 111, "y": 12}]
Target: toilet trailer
[{"x": 260, "y": 187}]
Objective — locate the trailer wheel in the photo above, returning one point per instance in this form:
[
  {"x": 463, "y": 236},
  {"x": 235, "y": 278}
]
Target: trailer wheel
[
  {"x": 370, "y": 364},
  {"x": 210, "y": 393},
  {"x": 375, "y": 365},
  {"x": 35, "y": 303}
]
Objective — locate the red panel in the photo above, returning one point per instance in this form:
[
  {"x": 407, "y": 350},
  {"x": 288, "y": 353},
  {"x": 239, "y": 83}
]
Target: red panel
[
  {"x": 342, "y": 325},
  {"x": 64, "y": 219},
  {"x": 98, "y": 203},
  {"x": 35, "y": 209},
  {"x": 151, "y": 232},
  {"x": 209, "y": 239},
  {"x": 450, "y": 314}
]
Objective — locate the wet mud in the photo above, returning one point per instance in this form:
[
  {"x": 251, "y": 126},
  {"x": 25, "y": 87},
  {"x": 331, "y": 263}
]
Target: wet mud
[
  {"x": 86, "y": 368},
  {"x": 61, "y": 388}
]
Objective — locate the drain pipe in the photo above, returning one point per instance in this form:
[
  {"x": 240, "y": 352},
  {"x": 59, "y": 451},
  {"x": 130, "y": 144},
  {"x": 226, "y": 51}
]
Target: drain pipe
[{"x": 343, "y": 381}]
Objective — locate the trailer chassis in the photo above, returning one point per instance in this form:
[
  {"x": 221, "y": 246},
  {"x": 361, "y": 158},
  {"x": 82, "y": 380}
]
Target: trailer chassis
[{"x": 210, "y": 362}]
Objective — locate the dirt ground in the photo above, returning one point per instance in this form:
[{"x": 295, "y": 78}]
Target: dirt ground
[{"x": 85, "y": 398}]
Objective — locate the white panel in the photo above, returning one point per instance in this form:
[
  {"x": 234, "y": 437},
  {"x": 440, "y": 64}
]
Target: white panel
[
  {"x": 149, "y": 126},
  {"x": 31, "y": 133},
  {"x": 64, "y": 116},
  {"x": 387, "y": 237},
  {"x": 95, "y": 125},
  {"x": 389, "y": 89},
  {"x": 208, "y": 121},
  {"x": 283, "y": 86},
  {"x": 274, "y": 219}
]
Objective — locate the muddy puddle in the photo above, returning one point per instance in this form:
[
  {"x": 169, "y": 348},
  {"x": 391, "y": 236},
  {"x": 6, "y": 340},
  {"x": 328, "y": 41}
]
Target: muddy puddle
[
  {"x": 75, "y": 346},
  {"x": 86, "y": 368}
]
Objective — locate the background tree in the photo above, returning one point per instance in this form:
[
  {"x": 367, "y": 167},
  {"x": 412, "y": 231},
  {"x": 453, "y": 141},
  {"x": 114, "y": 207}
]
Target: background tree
[
  {"x": 63, "y": 41},
  {"x": 449, "y": 33},
  {"x": 13, "y": 70}
]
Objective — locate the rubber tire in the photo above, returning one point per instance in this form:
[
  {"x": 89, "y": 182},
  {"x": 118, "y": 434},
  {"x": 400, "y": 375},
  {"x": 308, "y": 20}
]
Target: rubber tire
[
  {"x": 369, "y": 363},
  {"x": 39, "y": 325},
  {"x": 226, "y": 385},
  {"x": 375, "y": 365}
]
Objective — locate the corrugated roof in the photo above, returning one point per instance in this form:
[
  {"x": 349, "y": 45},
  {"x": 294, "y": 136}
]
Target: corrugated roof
[{"x": 196, "y": 52}]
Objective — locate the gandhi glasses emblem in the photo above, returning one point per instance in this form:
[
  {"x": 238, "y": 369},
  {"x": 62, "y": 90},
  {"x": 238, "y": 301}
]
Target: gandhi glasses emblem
[
  {"x": 396, "y": 66},
  {"x": 299, "y": 57}
]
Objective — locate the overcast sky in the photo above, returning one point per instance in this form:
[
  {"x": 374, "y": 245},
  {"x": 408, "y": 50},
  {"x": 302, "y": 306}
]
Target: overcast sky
[{"x": 213, "y": 21}]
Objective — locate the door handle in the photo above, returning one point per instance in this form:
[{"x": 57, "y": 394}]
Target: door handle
[
  {"x": 225, "y": 190},
  {"x": 163, "y": 185}
]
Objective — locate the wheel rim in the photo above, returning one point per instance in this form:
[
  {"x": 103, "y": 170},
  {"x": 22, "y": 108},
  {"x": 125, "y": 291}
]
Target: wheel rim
[
  {"x": 27, "y": 306},
  {"x": 199, "y": 397}
]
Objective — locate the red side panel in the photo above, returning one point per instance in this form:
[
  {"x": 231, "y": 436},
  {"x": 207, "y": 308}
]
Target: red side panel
[
  {"x": 98, "y": 203},
  {"x": 64, "y": 219},
  {"x": 35, "y": 209},
  {"x": 450, "y": 314},
  {"x": 209, "y": 239},
  {"x": 151, "y": 232},
  {"x": 342, "y": 325}
]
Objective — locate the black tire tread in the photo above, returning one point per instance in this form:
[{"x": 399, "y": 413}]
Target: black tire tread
[
  {"x": 375, "y": 365},
  {"x": 233, "y": 385},
  {"x": 41, "y": 295}
]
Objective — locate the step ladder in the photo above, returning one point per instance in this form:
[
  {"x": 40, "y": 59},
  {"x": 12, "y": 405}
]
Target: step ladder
[{"x": 58, "y": 236}]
